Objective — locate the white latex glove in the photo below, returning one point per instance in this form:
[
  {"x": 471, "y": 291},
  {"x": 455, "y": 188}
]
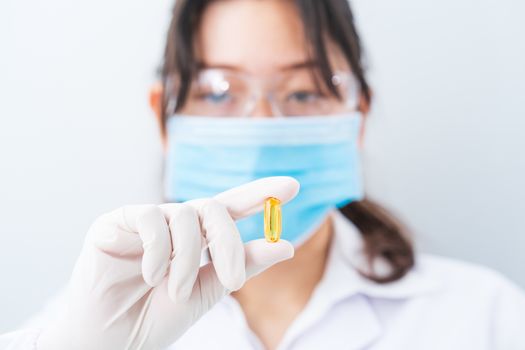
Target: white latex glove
[{"x": 137, "y": 283}]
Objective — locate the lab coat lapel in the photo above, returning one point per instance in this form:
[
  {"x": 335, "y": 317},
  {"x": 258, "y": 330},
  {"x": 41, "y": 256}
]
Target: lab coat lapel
[
  {"x": 341, "y": 301},
  {"x": 349, "y": 324}
]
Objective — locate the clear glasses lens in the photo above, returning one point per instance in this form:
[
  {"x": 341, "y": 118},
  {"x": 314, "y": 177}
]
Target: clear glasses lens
[
  {"x": 218, "y": 92},
  {"x": 301, "y": 95}
]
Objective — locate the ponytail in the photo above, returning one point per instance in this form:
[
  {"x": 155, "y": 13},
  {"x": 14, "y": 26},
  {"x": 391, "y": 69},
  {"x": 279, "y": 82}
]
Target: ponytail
[{"x": 384, "y": 239}]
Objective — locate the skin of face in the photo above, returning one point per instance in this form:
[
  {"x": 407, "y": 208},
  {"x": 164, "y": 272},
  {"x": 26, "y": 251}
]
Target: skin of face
[{"x": 262, "y": 38}]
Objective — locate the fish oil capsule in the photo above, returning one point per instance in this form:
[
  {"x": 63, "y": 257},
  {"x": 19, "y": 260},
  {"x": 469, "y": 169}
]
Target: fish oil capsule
[{"x": 272, "y": 219}]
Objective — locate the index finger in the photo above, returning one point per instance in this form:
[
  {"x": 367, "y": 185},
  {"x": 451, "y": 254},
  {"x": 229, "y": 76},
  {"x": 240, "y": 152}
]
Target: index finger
[{"x": 249, "y": 198}]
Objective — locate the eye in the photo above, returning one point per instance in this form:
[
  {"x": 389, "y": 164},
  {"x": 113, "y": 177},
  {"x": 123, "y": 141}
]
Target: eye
[
  {"x": 303, "y": 96},
  {"x": 215, "y": 97}
]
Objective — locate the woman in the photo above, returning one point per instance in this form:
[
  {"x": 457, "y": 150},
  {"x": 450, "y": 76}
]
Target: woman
[{"x": 259, "y": 98}]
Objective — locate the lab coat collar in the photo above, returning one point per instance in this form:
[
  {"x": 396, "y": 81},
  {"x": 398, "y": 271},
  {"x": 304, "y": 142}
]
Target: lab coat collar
[{"x": 342, "y": 282}]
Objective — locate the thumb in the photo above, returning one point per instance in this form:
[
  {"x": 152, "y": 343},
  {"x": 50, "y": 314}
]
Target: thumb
[{"x": 261, "y": 255}]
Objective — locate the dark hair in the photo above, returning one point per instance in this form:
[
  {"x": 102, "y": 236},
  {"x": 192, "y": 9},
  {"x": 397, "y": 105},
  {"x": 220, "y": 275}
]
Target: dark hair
[{"x": 383, "y": 236}]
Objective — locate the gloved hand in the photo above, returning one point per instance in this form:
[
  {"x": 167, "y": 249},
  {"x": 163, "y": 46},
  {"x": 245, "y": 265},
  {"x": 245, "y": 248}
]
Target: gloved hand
[{"x": 137, "y": 283}]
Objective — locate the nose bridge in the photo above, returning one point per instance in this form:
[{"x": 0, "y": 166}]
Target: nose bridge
[
  {"x": 261, "y": 103},
  {"x": 262, "y": 107}
]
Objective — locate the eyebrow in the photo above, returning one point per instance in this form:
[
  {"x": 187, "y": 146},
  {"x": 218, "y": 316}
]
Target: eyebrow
[
  {"x": 300, "y": 64},
  {"x": 287, "y": 67}
]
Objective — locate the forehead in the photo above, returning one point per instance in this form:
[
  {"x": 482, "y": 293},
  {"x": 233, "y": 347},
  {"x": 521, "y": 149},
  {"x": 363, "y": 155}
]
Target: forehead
[{"x": 257, "y": 37}]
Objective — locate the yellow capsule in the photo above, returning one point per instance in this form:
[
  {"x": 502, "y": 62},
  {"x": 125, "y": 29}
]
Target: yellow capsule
[{"x": 272, "y": 219}]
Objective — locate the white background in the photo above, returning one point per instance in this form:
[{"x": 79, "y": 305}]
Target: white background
[{"x": 444, "y": 149}]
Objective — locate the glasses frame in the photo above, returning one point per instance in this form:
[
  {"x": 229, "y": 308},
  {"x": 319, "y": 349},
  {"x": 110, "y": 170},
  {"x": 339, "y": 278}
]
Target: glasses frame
[{"x": 259, "y": 89}]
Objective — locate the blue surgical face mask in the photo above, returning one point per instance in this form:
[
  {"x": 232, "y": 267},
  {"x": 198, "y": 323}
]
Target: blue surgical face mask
[{"x": 208, "y": 155}]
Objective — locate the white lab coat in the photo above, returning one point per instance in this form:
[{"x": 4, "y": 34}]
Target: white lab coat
[{"x": 440, "y": 304}]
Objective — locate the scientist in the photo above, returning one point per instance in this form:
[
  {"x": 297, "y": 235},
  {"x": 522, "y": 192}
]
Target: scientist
[{"x": 257, "y": 99}]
